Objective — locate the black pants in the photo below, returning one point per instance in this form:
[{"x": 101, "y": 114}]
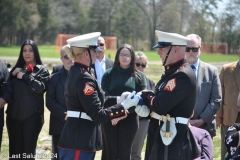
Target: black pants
[
  {"x": 23, "y": 136},
  {"x": 104, "y": 150},
  {"x": 55, "y": 139},
  {"x": 119, "y": 138}
]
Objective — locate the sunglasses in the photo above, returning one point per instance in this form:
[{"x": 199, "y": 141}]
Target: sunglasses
[
  {"x": 142, "y": 65},
  {"x": 101, "y": 44},
  {"x": 65, "y": 57},
  {"x": 194, "y": 49}
]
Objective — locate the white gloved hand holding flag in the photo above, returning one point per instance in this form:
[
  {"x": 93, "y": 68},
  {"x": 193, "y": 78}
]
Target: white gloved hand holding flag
[
  {"x": 123, "y": 96},
  {"x": 131, "y": 100}
]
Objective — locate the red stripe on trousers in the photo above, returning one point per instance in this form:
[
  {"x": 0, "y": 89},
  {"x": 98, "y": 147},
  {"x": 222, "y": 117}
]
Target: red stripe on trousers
[{"x": 77, "y": 155}]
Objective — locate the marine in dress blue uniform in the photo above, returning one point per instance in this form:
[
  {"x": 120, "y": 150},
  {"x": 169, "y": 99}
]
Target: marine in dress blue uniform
[
  {"x": 82, "y": 136},
  {"x": 171, "y": 104}
]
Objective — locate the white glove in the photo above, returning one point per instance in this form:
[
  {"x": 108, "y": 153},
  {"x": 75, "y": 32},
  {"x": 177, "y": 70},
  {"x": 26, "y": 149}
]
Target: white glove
[
  {"x": 142, "y": 111},
  {"x": 123, "y": 97},
  {"x": 139, "y": 93},
  {"x": 131, "y": 100}
]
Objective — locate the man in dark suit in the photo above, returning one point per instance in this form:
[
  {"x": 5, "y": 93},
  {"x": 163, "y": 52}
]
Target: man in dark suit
[
  {"x": 4, "y": 95},
  {"x": 57, "y": 68},
  {"x": 209, "y": 94},
  {"x": 55, "y": 101},
  {"x": 102, "y": 63}
]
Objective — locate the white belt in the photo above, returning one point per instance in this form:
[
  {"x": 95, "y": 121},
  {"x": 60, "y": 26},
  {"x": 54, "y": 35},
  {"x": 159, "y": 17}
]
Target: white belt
[
  {"x": 76, "y": 114},
  {"x": 178, "y": 119}
]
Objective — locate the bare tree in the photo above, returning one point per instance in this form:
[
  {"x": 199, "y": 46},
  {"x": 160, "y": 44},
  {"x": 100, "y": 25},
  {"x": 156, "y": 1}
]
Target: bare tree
[
  {"x": 229, "y": 26},
  {"x": 152, "y": 10},
  {"x": 203, "y": 18}
]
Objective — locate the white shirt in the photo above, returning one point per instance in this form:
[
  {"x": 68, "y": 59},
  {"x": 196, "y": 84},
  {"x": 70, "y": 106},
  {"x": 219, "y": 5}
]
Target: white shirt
[{"x": 100, "y": 68}]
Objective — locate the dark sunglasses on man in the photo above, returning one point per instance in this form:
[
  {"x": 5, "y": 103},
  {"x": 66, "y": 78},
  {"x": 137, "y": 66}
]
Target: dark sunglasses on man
[
  {"x": 101, "y": 44},
  {"x": 142, "y": 65},
  {"x": 194, "y": 49},
  {"x": 65, "y": 57}
]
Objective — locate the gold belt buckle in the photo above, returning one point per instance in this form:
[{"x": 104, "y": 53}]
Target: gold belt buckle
[{"x": 168, "y": 134}]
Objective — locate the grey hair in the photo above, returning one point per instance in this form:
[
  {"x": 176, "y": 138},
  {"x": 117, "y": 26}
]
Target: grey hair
[
  {"x": 63, "y": 50},
  {"x": 141, "y": 55},
  {"x": 196, "y": 36}
]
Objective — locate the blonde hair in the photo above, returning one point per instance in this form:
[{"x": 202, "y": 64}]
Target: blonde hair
[
  {"x": 62, "y": 50},
  {"x": 140, "y": 55},
  {"x": 73, "y": 52},
  {"x": 197, "y": 37}
]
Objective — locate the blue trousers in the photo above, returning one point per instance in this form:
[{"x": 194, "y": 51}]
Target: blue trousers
[{"x": 67, "y": 154}]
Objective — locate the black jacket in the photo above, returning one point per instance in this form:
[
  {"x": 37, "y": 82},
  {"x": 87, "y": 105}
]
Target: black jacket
[
  {"x": 83, "y": 94},
  {"x": 27, "y": 93},
  {"x": 56, "y": 102},
  {"x": 57, "y": 68},
  {"x": 175, "y": 95},
  {"x": 5, "y": 89}
]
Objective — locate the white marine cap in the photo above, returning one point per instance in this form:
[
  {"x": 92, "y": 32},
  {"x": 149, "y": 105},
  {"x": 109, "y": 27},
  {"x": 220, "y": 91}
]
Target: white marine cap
[
  {"x": 166, "y": 39},
  {"x": 85, "y": 41}
]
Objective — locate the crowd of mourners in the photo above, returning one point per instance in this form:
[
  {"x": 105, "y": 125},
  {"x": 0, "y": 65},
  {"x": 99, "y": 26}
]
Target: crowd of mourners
[{"x": 96, "y": 103}]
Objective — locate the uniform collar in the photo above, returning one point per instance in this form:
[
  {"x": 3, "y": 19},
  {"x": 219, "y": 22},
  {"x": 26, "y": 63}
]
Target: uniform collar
[
  {"x": 87, "y": 68},
  {"x": 175, "y": 65}
]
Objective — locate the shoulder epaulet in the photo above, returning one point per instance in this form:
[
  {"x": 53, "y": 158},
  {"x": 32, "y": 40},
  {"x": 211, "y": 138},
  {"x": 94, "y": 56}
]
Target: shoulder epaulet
[
  {"x": 82, "y": 70},
  {"x": 181, "y": 68}
]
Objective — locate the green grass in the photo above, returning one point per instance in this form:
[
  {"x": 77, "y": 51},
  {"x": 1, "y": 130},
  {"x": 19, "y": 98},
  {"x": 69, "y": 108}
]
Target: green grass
[
  {"x": 211, "y": 58},
  {"x": 52, "y": 52},
  {"x": 217, "y": 145},
  {"x": 45, "y": 51}
]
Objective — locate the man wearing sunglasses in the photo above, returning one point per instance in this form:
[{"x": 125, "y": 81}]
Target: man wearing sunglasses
[
  {"x": 102, "y": 63},
  {"x": 55, "y": 100},
  {"x": 209, "y": 93}
]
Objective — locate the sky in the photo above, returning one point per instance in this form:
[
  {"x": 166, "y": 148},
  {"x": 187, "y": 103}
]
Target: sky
[{"x": 221, "y": 5}]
